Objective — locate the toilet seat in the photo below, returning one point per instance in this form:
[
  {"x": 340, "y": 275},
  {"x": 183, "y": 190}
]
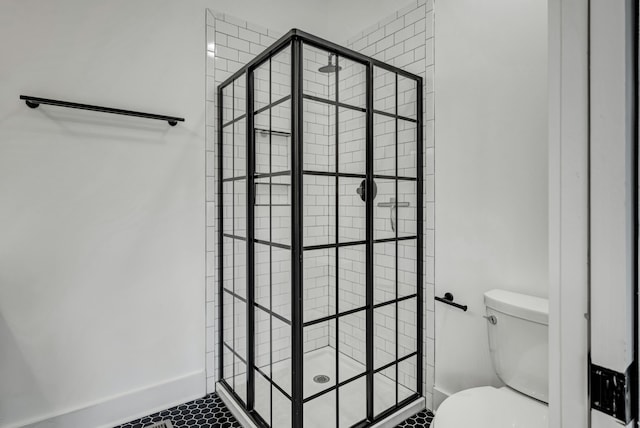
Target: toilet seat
[{"x": 489, "y": 407}]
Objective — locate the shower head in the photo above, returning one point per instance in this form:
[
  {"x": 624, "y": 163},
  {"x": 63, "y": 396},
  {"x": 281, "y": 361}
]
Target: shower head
[{"x": 329, "y": 68}]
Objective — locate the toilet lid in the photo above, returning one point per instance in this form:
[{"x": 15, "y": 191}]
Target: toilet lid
[{"x": 489, "y": 407}]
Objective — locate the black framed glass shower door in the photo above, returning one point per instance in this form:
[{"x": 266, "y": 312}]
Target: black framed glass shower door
[{"x": 320, "y": 236}]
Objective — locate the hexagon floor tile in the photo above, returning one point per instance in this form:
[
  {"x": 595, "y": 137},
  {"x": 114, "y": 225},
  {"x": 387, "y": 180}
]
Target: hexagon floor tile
[
  {"x": 207, "y": 412},
  {"x": 210, "y": 412},
  {"x": 422, "y": 419}
]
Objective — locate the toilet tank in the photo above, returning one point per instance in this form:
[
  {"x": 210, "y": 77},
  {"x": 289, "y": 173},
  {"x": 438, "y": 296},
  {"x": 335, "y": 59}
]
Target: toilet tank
[{"x": 519, "y": 341}]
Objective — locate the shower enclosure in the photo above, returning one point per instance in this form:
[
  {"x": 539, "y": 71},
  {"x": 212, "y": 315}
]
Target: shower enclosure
[{"x": 320, "y": 246}]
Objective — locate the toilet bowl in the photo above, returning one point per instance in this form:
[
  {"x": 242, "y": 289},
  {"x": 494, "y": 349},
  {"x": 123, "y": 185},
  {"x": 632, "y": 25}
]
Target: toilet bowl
[
  {"x": 518, "y": 343},
  {"x": 489, "y": 407}
]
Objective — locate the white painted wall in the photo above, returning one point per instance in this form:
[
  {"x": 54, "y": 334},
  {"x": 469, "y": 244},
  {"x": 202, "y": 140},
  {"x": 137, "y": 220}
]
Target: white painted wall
[
  {"x": 102, "y": 218},
  {"x": 102, "y": 285},
  {"x": 491, "y": 171}
]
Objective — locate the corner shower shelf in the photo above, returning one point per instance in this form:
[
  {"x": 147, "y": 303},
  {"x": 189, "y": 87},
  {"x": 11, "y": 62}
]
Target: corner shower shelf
[
  {"x": 274, "y": 184},
  {"x": 273, "y": 132}
]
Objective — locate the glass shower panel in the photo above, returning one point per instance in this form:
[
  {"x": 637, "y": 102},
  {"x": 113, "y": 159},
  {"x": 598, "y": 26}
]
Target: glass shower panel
[
  {"x": 281, "y": 354},
  {"x": 262, "y": 271},
  {"x": 281, "y": 75},
  {"x": 240, "y": 268},
  {"x": 240, "y": 207},
  {"x": 262, "y": 331},
  {"x": 406, "y": 209},
  {"x": 227, "y": 150},
  {"x": 352, "y": 83},
  {"x": 352, "y": 149},
  {"x": 262, "y": 209},
  {"x": 228, "y": 208},
  {"x": 352, "y": 345},
  {"x": 240, "y": 329},
  {"x": 261, "y": 85},
  {"x": 319, "y": 142},
  {"x": 407, "y": 330},
  {"x": 234, "y": 257},
  {"x": 319, "y": 219},
  {"x": 384, "y": 90},
  {"x": 407, "y": 149},
  {"x": 319, "y": 368},
  {"x": 407, "y": 268},
  {"x": 352, "y": 214},
  {"x": 240, "y": 97},
  {"x": 384, "y": 389},
  {"x": 384, "y": 335},
  {"x": 407, "y": 97},
  {"x": 281, "y": 211},
  {"x": 281, "y": 417},
  {"x": 227, "y": 336},
  {"x": 352, "y": 277},
  {"x": 407, "y": 378},
  {"x": 385, "y": 211},
  {"x": 352, "y": 402},
  {"x": 263, "y": 396},
  {"x": 318, "y": 81},
  {"x": 384, "y": 272},
  {"x": 227, "y": 104},
  {"x": 281, "y": 138},
  {"x": 227, "y": 265},
  {"x": 319, "y": 284},
  {"x": 262, "y": 141},
  {"x": 227, "y": 368},
  {"x": 281, "y": 284},
  {"x": 240, "y": 148},
  {"x": 240, "y": 380},
  {"x": 271, "y": 238},
  {"x": 240, "y": 347},
  {"x": 384, "y": 145},
  {"x": 321, "y": 411}
]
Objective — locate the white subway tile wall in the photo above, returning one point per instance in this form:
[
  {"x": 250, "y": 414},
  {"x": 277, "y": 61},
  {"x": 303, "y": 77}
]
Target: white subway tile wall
[
  {"x": 231, "y": 43},
  {"x": 404, "y": 39}
]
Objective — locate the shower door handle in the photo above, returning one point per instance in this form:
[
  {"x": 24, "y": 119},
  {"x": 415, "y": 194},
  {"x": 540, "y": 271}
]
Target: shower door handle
[{"x": 362, "y": 190}]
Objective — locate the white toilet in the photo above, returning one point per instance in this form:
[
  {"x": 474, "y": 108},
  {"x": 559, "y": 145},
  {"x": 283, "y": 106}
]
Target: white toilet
[{"x": 518, "y": 341}]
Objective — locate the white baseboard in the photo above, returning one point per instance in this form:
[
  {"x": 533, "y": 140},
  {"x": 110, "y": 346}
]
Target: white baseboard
[
  {"x": 124, "y": 407},
  {"x": 439, "y": 395}
]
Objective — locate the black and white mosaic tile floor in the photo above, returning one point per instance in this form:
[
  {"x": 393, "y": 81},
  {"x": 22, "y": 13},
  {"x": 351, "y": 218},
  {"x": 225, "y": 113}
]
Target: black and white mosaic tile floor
[
  {"x": 422, "y": 419},
  {"x": 207, "y": 412},
  {"x": 210, "y": 412}
]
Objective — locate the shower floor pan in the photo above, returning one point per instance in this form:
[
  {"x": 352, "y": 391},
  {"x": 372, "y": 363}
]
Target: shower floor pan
[{"x": 320, "y": 412}]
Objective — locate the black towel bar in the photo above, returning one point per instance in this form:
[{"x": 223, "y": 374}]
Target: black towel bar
[
  {"x": 34, "y": 102},
  {"x": 448, "y": 299}
]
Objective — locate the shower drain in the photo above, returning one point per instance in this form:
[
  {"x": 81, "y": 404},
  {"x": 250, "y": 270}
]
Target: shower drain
[{"x": 321, "y": 378}]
